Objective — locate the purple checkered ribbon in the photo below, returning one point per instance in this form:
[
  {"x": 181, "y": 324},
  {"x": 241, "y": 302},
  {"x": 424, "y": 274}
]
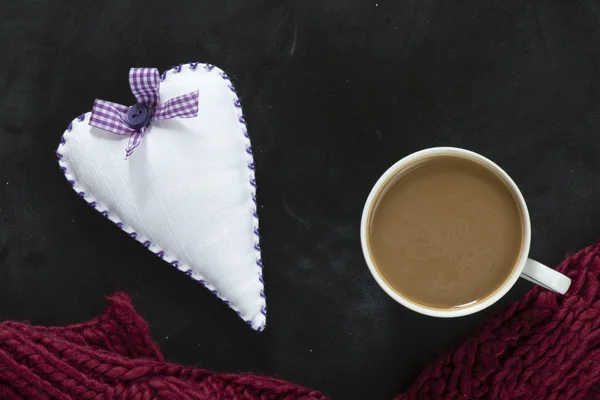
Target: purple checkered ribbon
[{"x": 144, "y": 83}]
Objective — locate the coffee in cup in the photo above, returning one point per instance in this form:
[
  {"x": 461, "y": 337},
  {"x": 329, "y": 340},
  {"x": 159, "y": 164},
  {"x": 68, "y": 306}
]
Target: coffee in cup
[{"x": 446, "y": 232}]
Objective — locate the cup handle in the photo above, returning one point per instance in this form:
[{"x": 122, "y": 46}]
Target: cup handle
[{"x": 545, "y": 277}]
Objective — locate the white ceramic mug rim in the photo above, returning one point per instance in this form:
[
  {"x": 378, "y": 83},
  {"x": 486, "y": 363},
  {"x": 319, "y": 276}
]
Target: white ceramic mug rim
[{"x": 457, "y": 312}]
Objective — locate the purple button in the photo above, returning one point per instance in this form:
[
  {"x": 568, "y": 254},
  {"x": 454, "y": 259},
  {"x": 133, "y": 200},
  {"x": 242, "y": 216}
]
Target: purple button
[{"x": 138, "y": 116}]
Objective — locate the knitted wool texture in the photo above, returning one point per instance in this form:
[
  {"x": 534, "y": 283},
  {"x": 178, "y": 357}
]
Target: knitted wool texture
[
  {"x": 546, "y": 346},
  {"x": 113, "y": 357}
]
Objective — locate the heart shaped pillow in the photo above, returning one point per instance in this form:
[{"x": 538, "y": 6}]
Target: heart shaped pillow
[{"x": 187, "y": 193}]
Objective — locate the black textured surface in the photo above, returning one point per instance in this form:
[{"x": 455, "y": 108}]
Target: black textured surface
[{"x": 333, "y": 92}]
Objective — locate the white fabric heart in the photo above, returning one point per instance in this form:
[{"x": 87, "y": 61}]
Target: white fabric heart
[{"x": 187, "y": 193}]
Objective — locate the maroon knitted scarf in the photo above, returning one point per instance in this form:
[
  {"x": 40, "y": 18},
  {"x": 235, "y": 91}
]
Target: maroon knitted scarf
[
  {"x": 546, "y": 346},
  {"x": 113, "y": 357}
]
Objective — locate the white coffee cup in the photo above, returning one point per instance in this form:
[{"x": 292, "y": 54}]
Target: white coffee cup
[{"x": 526, "y": 268}]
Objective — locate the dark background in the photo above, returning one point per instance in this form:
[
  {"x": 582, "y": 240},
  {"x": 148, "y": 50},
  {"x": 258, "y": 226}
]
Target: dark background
[{"x": 334, "y": 92}]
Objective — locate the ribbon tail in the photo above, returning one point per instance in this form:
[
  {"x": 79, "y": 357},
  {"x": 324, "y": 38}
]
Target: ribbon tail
[
  {"x": 110, "y": 117},
  {"x": 134, "y": 141},
  {"x": 184, "y": 106}
]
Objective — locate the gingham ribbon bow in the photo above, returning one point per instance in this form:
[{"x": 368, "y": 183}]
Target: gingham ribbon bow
[{"x": 144, "y": 83}]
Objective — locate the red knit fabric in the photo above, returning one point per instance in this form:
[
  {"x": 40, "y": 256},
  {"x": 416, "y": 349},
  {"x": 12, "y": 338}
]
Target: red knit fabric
[
  {"x": 546, "y": 346},
  {"x": 113, "y": 357}
]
